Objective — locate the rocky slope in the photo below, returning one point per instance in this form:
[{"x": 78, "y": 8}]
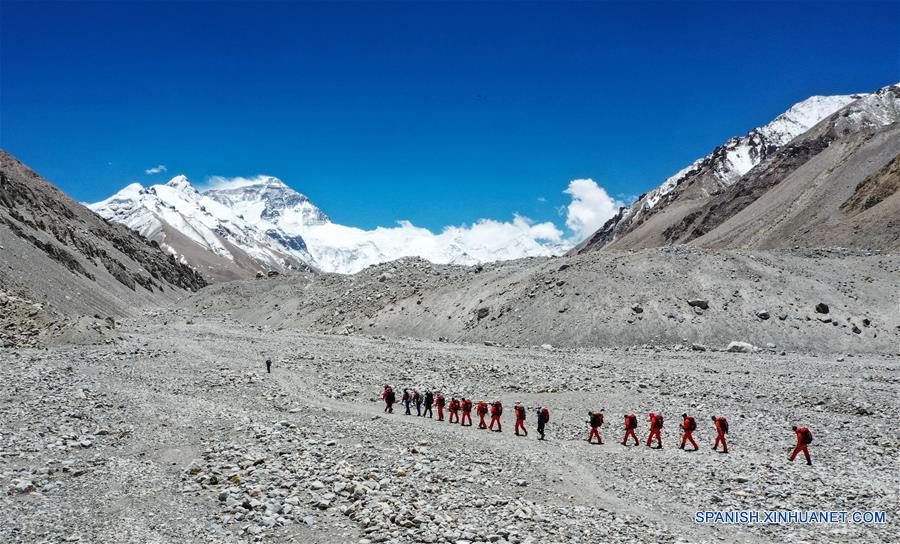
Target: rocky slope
[
  {"x": 663, "y": 296},
  {"x": 69, "y": 261},
  {"x": 701, "y": 197}
]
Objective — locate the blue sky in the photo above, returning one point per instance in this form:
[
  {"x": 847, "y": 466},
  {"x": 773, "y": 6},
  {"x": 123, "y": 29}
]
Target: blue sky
[{"x": 435, "y": 112}]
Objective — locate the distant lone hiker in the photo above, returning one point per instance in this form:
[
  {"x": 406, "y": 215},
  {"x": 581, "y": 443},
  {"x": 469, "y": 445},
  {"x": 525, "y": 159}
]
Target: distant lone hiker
[
  {"x": 520, "y": 419},
  {"x": 595, "y": 420},
  {"x": 721, "y": 430},
  {"x": 482, "y": 411},
  {"x": 269, "y": 365},
  {"x": 496, "y": 412},
  {"x": 631, "y": 423},
  {"x": 389, "y": 398},
  {"x": 439, "y": 402},
  {"x": 804, "y": 439},
  {"x": 543, "y": 417},
  {"x": 688, "y": 426},
  {"x": 429, "y": 401},
  {"x": 656, "y": 425}
]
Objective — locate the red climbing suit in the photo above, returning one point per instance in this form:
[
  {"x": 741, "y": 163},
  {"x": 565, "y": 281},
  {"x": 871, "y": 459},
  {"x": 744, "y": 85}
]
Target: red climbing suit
[
  {"x": 803, "y": 439},
  {"x": 688, "y": 430},
  {"x": 656, "y": 422},
  {"x": 482, "y": 411},
  {"x": 721, "y": 430},
  {"x": 630, "y": 426},
  {"x": 440, "y": 403},
  {"x": 520, "y": 419},
  {"x": 496, "y": 412},
  {"x": 466, "y": 412},
  {"x": 454, "y": 411}
]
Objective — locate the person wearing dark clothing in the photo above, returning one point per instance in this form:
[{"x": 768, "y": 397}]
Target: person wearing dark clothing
[
  {"x": 417, "y": 399},
  {"x": 429, "y": 401},
  {"x": 543, "y": 417},
  {"x": 269, "y": 365},
  {"x": 407, "y": 399}
]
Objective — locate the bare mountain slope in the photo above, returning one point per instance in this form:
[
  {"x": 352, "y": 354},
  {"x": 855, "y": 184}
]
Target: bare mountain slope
[
  {"x": 595, "y": 299},
  {"x": 65, "y": 257},
  {"x": 805, "y": 207},
  {"x": 816, "y": 156},
  {"x": 794, "y": 198}
]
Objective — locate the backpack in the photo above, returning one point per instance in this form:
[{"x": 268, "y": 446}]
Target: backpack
[
  {"x": 391, "y": 396},
  {"x": 405, "y": 396},
  {"x": 658, "y": 422},
  {"x": 723, "y": 423},
  {"x": 806, "y": 436},
  {"x": 499, "y": 409},
  {"x": 520, "y": 413},
  {"x": 545, "y": 415},
  {"x": 596, "y": 419},
  {"x": 691, "y": 424},
  {"x": 631, "y": 422}
]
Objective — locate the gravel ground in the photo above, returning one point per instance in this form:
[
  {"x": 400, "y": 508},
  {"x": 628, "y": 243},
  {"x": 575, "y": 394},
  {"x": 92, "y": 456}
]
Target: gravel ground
[{"x": 173, "y": 432}]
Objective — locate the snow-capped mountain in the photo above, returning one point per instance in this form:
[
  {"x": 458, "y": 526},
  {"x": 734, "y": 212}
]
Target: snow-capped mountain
[
  {"x": 242, "y": 226},
  {"x": 699, "y": 198},
  {"x": 189, "y": 223}
]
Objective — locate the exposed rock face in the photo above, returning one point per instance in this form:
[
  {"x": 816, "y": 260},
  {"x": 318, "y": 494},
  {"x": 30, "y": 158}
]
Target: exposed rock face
[
  {"x": 875, "y": 189},
  {"x": 57, "y": 251}
]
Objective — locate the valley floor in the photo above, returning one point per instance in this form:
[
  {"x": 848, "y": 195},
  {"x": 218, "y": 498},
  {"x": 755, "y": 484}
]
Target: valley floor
[{"x": 175, "y": 433}]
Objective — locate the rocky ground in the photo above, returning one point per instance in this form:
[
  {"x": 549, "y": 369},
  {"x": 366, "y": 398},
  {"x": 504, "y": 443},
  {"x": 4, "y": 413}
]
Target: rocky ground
[
  {"x": 173, "y": 432},
  {"x": 662, "y": 296}
]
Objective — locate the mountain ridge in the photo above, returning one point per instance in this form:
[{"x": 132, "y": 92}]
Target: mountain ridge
[{"x": 653, "y": 220}]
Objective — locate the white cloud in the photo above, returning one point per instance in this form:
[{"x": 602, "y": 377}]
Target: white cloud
[
  {"x": 590, "y": 208},
  {"x": 224, "y": 183},
  {"x": 158, "y": 169},
  {"x": 340, "y": 248}
]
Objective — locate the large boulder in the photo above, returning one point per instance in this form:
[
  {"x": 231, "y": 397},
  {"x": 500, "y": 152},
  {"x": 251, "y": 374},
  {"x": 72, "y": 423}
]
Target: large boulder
[{"x": 740, "y": 347}]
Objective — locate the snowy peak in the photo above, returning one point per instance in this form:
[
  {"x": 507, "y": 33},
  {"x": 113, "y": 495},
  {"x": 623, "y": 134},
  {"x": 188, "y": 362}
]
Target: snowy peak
[
  {"x": 181, "y": 183},
  {"x": 731, "y": 161},
  {"x": 181, "y": 218},
  {"x": 268, "y": 203},
  {"x": 804, "y": 115}
]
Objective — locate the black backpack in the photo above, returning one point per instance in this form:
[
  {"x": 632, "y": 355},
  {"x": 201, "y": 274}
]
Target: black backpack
[
  {"x": 596, "y": 419},
  {"x": 724, "y": 424},
  {"x": 658, "y": 422},
  {"x": 631, "y": 422},
  {"x": 391, "y": 397},
  {"x": 806, "y": 436},
  {"x": 691, "y": 424}
]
